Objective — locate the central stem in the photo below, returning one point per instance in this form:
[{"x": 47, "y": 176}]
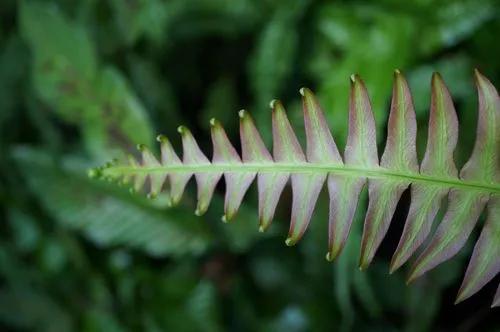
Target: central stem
[{"x": 371, "y": 173}]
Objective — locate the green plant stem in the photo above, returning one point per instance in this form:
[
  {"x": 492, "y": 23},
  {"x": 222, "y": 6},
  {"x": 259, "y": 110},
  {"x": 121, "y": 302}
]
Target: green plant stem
[{"x": 371, "y": 173}]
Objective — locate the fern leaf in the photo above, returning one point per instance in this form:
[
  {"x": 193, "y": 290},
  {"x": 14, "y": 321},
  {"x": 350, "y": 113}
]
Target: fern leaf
[
  {"x": 437, "y": 177},
  {"x": 104, "y": 216}
]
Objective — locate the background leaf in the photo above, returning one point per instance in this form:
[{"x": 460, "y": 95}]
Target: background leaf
[
  {"x": 83, "y": 82},
  {"x": 73, "y": 199}
]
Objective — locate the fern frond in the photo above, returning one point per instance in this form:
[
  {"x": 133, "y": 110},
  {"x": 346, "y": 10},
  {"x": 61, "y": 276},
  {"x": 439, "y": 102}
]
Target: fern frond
[{"x": 476, "y": 186}]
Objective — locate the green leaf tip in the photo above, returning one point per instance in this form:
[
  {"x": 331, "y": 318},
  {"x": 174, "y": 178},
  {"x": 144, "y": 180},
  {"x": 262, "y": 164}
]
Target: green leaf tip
[
  {"x": 141, "y": 147},
  {"x": 459, "y": 299},
  {"x": 329, "y": 257},
  {"x": 214, "y": 122},
  {"x": 363, "y": 263},
  {"x": 333, "y": 253},
  {"x": 436, "y": 76},
  {"x": 431, "y": 181},
  {"x": 94, "y": 173},
  {"x": 275, "y": 104},
  {"x": 496, "y": 298},
  {"x": 161, "y": 138},
  {"x": 303, "y": 91},
  {"x": 264, "y": 224},
  {"x": 410, "y": 279}
]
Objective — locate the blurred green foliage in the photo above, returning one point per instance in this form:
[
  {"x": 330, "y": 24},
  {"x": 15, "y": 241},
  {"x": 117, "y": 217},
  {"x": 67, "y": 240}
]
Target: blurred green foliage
[{"x": 83, "y": 82}]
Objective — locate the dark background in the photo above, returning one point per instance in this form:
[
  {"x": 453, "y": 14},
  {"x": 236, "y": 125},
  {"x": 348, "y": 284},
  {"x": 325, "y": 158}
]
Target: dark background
[{"x": 84, "y": 81}]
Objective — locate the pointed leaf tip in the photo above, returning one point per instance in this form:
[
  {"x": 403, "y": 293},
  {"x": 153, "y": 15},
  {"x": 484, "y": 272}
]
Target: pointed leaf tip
[
  {"x": 161, "y": 138},
  {"x": 201, "y": 208},
  {"x": 273, "y": 103},
  {"x": 364, "y": 262},
  {"x": 320, "y": 146},
  {"x": 436, "y": 76},
  {"x": 266, "y": 214},
  {"x": 94, "y": 173},
  {"x": 477, "y": 73},
  {"x": 333, "y": 253},
  {"x": 286, "y": 146},
  {"x": 361, "y": 147},
  {"x": 400, "y": 152},
  {"x": 330, "y": 257},
  {"x": 496, "y": 299},
  {"x": 253, "y": 148},
  {"x": 277, "y": 106},
  {"x": 458, "y": 299}
]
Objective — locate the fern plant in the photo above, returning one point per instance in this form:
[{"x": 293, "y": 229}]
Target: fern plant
[{"x": 469, "y": 192}]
